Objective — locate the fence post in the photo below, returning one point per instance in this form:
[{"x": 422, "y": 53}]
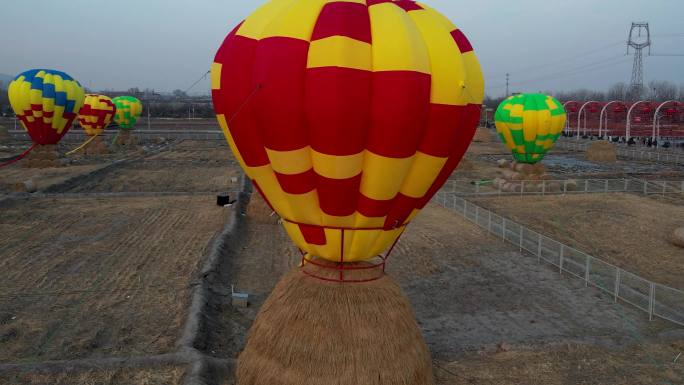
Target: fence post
[
  {"x": 617, "y": 284},
  {"x": 489, "y": 222},
  {"x": 521, "y": 237},
  {"x": 503, "y": 227},
  {"x": 477, "y": 215},
  {"x": 565, "y": 187},
  {"x": 651, "y": 301},
  {"x": 587, "y": 266},
  {"x": 586, "y": 186},
  {"x": 539, "y": 247},
  {"x": 562, "y": 255},
  {"x": 664, "y": 187},
  {"x": 606, "y": 187},
  {"x": 543, "y": 187},
  {"x": 626, "y": 184}
]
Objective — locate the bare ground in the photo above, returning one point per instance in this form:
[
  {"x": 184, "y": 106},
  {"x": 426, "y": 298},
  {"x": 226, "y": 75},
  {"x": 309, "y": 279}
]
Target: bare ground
[
  {"x": 473, "y": 295},
  {"x": 96, "y": 277},
  {"x": 562, "y": 164},
  {"x": 44, "y": 178},
  {"x": 630, "y": 231},
  {"x": 128, "y": 376}
]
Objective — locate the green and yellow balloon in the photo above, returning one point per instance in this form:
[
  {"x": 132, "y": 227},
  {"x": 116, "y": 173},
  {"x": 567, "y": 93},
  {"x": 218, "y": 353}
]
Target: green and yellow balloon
[
  {"x": 128, "y": 111},
  {"x": 529, "y": 125}
]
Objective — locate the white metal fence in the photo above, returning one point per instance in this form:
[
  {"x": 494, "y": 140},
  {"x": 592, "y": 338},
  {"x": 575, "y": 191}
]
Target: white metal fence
[
  {"x": 654, "y": 299},
  {"x": 466, "y": 188},
  {"x": 627, "y": 153}
]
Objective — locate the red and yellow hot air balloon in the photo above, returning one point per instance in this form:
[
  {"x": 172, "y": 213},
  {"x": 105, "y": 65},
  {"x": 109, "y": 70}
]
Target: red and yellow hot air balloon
[
  {"x": 96, "y": 114},
  {"x": 347, "y": 115}
]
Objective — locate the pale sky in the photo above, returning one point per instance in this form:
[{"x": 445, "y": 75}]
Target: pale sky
[{"x": 168, "y": 44}]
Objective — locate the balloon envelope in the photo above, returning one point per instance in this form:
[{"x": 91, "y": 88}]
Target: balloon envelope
[
  {"x": 347, "y": 115},
  {"x": 529, "y": 125},
  {"x": 128, "y": 111},
  {"x": 46, "y": 103},
  {"x": 96, "y": 114}
]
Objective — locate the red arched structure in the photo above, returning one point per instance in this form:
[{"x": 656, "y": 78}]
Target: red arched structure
[{"x": 668, "y": 121}]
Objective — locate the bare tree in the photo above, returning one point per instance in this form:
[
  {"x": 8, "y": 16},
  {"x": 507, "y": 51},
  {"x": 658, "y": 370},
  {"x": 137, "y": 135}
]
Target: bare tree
[
  {"x": 618, "y": 91},
  {"x": 661, "y": 91}
]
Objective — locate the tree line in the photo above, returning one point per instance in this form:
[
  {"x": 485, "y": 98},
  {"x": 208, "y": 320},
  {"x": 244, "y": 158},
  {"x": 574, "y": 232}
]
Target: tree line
[
  {"x": 180, "y": 105},
  {"x": 657, "y": 91}
]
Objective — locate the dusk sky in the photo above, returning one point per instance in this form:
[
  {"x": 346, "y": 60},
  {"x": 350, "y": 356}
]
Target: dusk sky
[{"x": 169, "y": 44}]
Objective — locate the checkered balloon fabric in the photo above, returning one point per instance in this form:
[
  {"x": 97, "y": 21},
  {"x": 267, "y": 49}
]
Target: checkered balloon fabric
[{"x": 347, "y": 114}]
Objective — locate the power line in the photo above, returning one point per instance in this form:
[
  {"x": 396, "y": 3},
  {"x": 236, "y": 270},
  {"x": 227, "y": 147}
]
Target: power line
[
  {"x": 566, "y": 59},
  {"x": 619, "y": 59}
]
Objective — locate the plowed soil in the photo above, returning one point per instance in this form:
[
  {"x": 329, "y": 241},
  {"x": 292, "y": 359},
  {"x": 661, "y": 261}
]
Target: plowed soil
[{"x": 92, "y": 277}]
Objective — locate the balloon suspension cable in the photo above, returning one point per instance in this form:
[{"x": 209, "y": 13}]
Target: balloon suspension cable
[
  {"x": 258, "y": 87},
  {"x": 79, "y": 148},
  {"x": 19, "y": 157},
  {"x": 116, "y": 137}
]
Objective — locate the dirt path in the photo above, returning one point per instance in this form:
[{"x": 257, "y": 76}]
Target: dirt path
[{"x": 632, "y": 232}]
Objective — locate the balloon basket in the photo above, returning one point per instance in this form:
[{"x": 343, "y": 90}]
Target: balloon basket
[{"x": 342, "y": 271}]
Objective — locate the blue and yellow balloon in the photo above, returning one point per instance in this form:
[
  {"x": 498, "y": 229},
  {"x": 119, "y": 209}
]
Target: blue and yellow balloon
[{"x": 46, "y": 103}]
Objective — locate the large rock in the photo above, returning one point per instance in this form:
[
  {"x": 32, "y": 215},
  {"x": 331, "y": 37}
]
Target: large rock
[{"x": 678, "y": 237}]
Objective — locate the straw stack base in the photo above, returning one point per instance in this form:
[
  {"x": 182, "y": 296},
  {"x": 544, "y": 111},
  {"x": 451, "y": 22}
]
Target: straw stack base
[
  {"x": 312, "y": 332},
  {"x": 42, "y": 156},
  {"x": 513, "y": 175},
  {"x": 126, "y": 139},
  {"x": 96, "y": 147},
  {"x": 601, "y": 151}
]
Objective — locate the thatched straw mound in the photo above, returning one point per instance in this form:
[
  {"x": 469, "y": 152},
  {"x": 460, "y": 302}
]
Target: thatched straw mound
[
  {"x": 43, "y": 156},
  {"x": 126, "y": 138},
  {"x": 601, "y": 151},
  {"x": 483, "y": 135},
  {"x": 678, "y": 237},
  {"x": 311, "y": 332},
  {"x": 96, "y": 147}
]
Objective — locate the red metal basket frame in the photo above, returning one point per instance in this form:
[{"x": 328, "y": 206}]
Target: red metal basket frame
[{"x": 340, "y": 266}]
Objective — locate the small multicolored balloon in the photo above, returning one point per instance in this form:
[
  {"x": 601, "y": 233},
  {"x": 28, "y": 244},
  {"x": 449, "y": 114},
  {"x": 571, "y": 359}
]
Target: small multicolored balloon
[
  {"x": 128, "y": 111},
  {"x": 529, "y": 125},
  {"x": 46, "y": 103},
  {"x": 96, "y": 114}
]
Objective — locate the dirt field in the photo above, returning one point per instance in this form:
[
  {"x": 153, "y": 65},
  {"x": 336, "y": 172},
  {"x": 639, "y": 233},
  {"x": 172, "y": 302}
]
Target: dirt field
[
  {"x": 627, "y": 230},
  {"x": 43, "y": 178},
  {"x": 152, "y": 376},
  {"x": 472, "y": 294},
  {"x": 190, "y": 166},
  {"x": 105, "y": 277},
  {"x": 569, "y": 364}
]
